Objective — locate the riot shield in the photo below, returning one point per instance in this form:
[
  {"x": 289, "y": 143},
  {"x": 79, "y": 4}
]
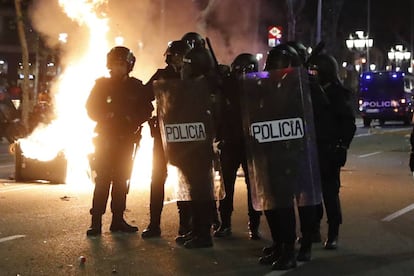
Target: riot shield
[
  {"x": 279, "y": 129},
  {"x": 185, "y": 113}
]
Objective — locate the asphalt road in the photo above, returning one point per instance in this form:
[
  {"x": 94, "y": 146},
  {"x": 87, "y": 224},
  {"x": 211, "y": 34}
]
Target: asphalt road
[{"x": 42, "y": 226}]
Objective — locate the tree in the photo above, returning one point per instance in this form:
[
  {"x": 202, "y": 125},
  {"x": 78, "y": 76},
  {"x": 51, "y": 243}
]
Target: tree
[
  {"x": 26, "y": 101},
  {"x": 294, "y": 8},
  {"x": 331, "y": 10}
]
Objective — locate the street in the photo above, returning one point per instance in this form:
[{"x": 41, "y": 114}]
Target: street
[{"x": 43, "y": 226}]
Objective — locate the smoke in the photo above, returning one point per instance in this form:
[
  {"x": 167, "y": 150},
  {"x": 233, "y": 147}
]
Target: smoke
[{"x": 148, "y": 25}]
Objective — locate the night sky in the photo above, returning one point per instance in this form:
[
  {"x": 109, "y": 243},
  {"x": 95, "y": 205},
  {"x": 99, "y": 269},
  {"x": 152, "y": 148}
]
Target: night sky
[{"x": 390, "y": 22}]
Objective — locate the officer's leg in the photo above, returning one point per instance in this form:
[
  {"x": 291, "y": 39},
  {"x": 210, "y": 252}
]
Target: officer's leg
[
  {"x": 201, "y": 237},
  {"x": 101, "y": 190},
  {"x": 122, "y": 173},
  {"x": 229, "y": 167},
  {"x": 307, "y": 216},
  {"x": 287, "y": 224},
  {"x": 254, "y": 216},
  {"x": 184, "y": 214},
  {"x": 159, "y": 175},
  {"x": 333, "y": 208},
  {"x": 271, "y": 254},
  {"x": 99, "y": 201}
]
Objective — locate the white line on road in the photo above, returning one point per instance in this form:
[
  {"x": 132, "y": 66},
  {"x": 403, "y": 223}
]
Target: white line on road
[
  {"x": 363, "y": 134},
  {"x": 399, "y": 213},
  {"x": 369, "y": 154},
  {"x": 6, "y": 166},
  {"x": 12, "y": 189},
  {"x": 9, "y": 238}
]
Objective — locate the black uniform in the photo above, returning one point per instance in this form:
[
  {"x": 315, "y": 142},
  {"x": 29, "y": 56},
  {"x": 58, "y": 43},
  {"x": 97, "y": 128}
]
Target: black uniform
[
  {"x": 159, "y": 169},
  {"x": 119, "y": 107},
  {"x": 232, "y": 155},
  {"x": 335, "y": 128},
  {"x": 198, "y": 64}
]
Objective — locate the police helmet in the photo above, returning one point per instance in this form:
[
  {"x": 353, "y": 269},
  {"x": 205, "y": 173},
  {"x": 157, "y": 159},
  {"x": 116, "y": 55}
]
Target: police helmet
[
  {"x": 281, "y": 56},
  {"x": 120, "y": 54},
  {"x": 196, "y": 63},
  {"x": 194, "y": 39},
  {"x": 300, "y": 48},
  {"x": 244, "y": 63},
  {"x": 326, "y": 67},
  {"x": 177, "y": 47}
]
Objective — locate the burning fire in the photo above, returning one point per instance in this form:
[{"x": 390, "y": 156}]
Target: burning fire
[{"x": 72, "y": 130}]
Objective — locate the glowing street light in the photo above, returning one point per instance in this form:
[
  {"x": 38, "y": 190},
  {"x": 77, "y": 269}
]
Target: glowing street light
[
  {"x": 398, "y": 55},
  {"x": 360, "y": 43}
]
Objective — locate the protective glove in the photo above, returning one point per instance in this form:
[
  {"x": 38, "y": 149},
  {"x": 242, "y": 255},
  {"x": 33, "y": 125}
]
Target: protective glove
[
  {"x": 340, "y": 155},
  {"x": 412, "y": 161}
]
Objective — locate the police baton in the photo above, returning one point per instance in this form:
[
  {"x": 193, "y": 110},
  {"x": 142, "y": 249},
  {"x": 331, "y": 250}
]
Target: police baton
[{"x": 210, "y": 48}]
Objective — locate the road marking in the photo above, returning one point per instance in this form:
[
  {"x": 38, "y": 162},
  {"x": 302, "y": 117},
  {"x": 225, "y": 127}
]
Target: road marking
[
  {"x": 399, "y": 213},
  {"x": 369, "y": 154},
  {"x": 6, "y": 166},
  {"x": 12, "y": 189},
  {"x": 362, "y": 135},
  {"x": 9, "y": 238}
]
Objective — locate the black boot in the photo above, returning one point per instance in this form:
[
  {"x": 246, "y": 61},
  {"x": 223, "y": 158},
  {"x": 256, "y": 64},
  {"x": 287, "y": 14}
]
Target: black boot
[
  {"x": 120, "y": 225},
  {"x": 96, "y": 225},
  {"x": 271, "y": 254},
  {"x": 305, "y": 251},
  {"x": 225, "y": 228},
  {"x": 181, "y": 239},
  {"x": 152, "y": 231},
  {"x": 287, "y": 260},
  {"x": 268, "y": 249},
  {"x": 184, "y": 212},
  {"x": 332, "y": 241},
  {"x": 254, "y": 223},
  {"x": 215, "y": 223},
  {"x": 202, "y": 215}
]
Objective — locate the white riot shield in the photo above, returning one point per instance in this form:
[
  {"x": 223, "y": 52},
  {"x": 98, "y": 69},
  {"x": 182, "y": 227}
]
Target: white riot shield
[
  {"x": 280, "y": 136},
  {"x": 186, "y": 115}
]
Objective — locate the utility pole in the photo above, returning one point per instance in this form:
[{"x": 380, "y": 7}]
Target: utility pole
[
  {"x": 368, "y": 31},
  {"x": 319, "y": 22}
]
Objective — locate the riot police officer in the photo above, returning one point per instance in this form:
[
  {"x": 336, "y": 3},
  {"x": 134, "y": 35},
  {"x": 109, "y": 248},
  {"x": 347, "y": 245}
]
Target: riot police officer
[
  {"x": 232, "y": 147},
  {"x": 307, "y": 214},
  {"x": 335, "y": 129},
  {"x": 281, "y": 220},
  {"x": 196, "y": 41},
  {"x": 174, "y": 55},
  {"x": 198, "y": 65},
  {"x": 119, "y": 106}
]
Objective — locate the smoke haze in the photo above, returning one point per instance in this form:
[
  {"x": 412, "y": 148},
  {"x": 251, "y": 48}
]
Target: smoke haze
[{"x": 148, "y": 25}]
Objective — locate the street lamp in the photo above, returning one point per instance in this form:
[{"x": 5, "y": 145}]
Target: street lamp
[
  {"x": 398, "y": 55},
  {"x": 360, "y": 43}
]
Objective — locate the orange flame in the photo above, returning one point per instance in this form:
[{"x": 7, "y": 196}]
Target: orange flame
[{"x": 72, "y": 130}]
